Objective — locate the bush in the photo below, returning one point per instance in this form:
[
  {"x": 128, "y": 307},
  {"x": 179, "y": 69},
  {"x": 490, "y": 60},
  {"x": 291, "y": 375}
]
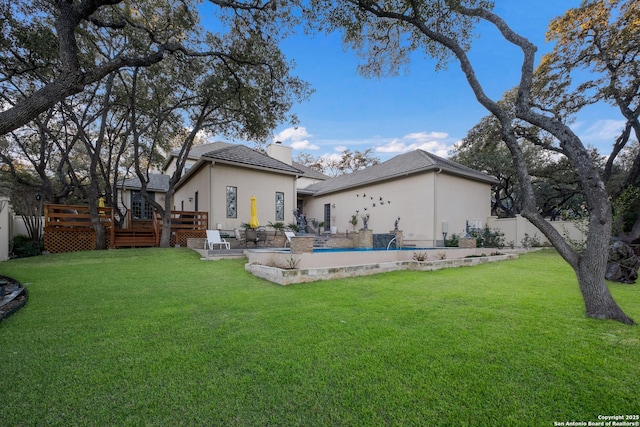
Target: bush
[
  {"x": 420, "y": 256},
  {"x": 487, "y": 238},
  {"x": 530, "y": 241},
  {"x": 24, "y": 247},
  {"x": 452, "y": 242}
]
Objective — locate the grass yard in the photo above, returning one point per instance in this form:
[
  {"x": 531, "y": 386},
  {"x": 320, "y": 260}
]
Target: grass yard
[{"x": 157, "y": 337}]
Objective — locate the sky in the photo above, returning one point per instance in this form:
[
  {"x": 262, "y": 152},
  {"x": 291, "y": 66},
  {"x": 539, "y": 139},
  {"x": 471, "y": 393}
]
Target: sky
[{"x": 420, "y": 109}]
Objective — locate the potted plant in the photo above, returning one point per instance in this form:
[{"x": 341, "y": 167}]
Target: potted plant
[
  {"x": 354, "y": 220},
  {"x": 277, "y": 226},
  {"x": 250, "y": 234}
]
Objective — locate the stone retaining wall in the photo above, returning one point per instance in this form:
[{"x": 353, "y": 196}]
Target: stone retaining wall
[{"x": 302, "y": 275}]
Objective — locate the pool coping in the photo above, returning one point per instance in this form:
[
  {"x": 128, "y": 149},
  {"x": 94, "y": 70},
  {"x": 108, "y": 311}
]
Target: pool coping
[{"x": 284, "y": 276}]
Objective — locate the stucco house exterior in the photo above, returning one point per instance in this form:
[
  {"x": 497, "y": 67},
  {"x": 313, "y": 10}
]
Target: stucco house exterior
[
  {"x": 225, "y": 176},
  {"x": 429, "y": 194}
]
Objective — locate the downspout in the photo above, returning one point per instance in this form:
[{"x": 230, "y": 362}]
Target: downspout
[{"x": 435, "y": 204}]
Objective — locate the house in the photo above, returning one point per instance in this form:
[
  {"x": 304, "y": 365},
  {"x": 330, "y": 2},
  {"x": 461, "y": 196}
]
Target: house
[
  {"x": 429, "y": 197},
  {"x": 225, "y": 176},
  {"x": 426, "y": 196},
  {"x": 132, "y": 201}
]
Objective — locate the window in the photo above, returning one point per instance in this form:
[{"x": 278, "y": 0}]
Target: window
[
  {"x": 140, "y": 208},
  {"x": 232, "y": 202},
  {"x": 327, "y": 217},
  {"x": 279, "y": 206}
]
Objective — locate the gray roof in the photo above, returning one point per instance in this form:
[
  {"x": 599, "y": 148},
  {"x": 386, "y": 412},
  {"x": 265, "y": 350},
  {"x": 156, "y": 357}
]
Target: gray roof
[
  {"x": 240, "y": 154},
  {"x": 417, "y": 161},
  {"x": 196, "y": 151},
  {"x": 310, "y": 172},
  {"x": 157, "y": 182}
]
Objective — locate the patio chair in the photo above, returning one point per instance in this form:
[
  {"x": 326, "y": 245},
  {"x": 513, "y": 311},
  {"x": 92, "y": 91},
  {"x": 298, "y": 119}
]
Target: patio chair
[
  {"x": 288, "y": 235},
  {"x": 213, "y": 238}
]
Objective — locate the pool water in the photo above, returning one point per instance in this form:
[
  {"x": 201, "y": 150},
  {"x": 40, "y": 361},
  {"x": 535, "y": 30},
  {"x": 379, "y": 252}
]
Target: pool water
[{"x": 370, "y": 249}]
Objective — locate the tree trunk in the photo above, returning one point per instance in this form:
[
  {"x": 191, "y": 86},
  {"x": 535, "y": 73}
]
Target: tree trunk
[
  {"x": 599, "y": 303},
  {"x": 165, "y": 237},
  {"x": 165, "y": 234},
  {"x": 101, "y": 239}
]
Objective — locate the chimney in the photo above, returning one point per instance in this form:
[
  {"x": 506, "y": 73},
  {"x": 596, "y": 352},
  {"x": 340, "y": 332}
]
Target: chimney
[{"x": 280, "y": 152}]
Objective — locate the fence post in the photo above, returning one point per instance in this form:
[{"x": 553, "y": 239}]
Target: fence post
[{"x": 5, "y": 228}]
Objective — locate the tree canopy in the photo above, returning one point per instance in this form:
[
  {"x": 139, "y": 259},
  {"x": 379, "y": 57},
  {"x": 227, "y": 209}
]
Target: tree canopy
[
  {"x": 387, "y": 32},
  {"x": 127, "y": 84}
]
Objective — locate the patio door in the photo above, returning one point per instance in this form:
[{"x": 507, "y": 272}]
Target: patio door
[
  {"x": 327, "y": 217},
  {"x": 140, "y": 208}
]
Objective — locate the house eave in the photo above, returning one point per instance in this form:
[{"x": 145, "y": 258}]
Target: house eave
[
  {"x": 435, "y": 169},
  {"x": 251, "y": 166}
]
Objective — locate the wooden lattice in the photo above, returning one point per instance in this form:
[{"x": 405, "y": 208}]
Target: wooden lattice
[
  {"x": 180, "y": 237},
  {"x": 70, "y": 241}
]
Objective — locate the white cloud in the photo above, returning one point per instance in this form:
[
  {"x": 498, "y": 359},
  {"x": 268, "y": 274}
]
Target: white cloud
[
  {"x": 394, "y": 146},
  {"x": 424, "y": 135},
  {"x": 297, "y": 137},
  {"x": 601, "y": 131},
  {"x": 328, "y": 157},
  {"x": 433, "y": 142},
  {"x": 303, "y": 145}
]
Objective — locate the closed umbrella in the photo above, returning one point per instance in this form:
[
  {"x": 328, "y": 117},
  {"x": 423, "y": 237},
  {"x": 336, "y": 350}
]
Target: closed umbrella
[{"x": 254, "y": 223}]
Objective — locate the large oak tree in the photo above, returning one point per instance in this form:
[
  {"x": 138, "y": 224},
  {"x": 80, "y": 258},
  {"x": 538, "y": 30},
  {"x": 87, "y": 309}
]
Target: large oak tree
[{"x": 386, "y": 32}]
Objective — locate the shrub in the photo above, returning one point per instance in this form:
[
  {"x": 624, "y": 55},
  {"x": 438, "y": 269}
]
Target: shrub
[
  {"x": 419, "y": 256},
  {"x": 24, "y": 247},
  {"x": 441, "y": 255},
  {"x": 530, "y": 241},
  {"x": 488, "y": 238},
  {"x": 452, "y": 242}
]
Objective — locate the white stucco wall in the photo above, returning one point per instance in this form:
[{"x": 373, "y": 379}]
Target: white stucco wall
[
  {"x": 211, "y": 182},
  {"x": 423, "y": 202},
  {"x": 459, "y": 200},
  {"x": 395, "y": 196},
  {"x": 517, "y": 229}
]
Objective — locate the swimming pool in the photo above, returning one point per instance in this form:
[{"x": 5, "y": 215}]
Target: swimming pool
[
  {"x": 321, "y": 250},
  {"x": 283, "y": 267}
]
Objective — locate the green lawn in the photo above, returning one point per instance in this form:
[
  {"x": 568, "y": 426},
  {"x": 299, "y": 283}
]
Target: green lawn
[{"x": 158, "y": 337}]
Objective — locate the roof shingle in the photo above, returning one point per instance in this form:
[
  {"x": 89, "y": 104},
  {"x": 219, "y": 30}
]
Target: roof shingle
[{"x": 404, "y": 164}]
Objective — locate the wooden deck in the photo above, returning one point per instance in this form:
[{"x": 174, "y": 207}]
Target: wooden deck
[{"x": 68, "y": 228}]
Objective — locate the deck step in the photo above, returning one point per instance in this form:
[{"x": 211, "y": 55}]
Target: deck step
[{"x": 134, "y": 238}]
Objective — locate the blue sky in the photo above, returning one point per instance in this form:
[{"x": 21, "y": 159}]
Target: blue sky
[{"x": 421, "y": 108}]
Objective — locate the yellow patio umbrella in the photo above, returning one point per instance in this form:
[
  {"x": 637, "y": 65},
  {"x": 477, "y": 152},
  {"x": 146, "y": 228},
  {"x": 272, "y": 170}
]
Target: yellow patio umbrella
[
  {"x": 101, "y": 204},
  {"x": 253, "y": 223}
]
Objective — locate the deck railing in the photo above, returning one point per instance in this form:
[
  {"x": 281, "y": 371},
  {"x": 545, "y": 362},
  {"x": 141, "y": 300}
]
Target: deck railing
[
  {"x": 74, "y": 217},
  {"x": 68, "y": 227}
]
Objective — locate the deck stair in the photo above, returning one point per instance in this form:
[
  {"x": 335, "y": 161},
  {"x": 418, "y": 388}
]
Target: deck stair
[{"x": 141, "y": 234}]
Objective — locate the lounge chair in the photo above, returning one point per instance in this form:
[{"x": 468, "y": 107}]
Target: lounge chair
[
  {"x": 213, "y": 238},
  {"x": 288, "y": 235}
]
